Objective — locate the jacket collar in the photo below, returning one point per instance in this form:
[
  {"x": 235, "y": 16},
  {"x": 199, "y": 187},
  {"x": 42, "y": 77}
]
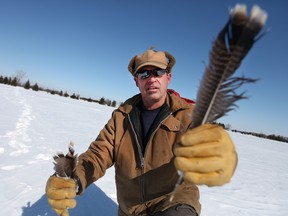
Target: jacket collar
[{"x": 173, "y": 101}]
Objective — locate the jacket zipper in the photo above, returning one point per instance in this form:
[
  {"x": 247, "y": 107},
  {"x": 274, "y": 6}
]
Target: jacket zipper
[{"x": 142, "y": 157}]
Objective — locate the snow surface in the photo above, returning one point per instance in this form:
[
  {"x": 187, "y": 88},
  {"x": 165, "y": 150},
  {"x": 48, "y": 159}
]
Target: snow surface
[{"x": 35, "y": 125}]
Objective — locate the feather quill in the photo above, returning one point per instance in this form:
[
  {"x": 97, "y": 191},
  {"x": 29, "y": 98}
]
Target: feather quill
[{"x": 216, "y": 95}]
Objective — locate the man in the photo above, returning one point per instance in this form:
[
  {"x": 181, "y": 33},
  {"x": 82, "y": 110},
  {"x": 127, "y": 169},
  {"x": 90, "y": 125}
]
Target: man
[{"x": 141, "y": 140}]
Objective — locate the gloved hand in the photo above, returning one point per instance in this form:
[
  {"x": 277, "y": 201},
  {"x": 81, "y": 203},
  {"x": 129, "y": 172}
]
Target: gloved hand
[
  {"x": 206, "y": 155},
  {"x": 61, "y": 194}
]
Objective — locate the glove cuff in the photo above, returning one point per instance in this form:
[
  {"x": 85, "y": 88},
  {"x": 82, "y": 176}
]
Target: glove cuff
[{"x": 79, "y": 187}]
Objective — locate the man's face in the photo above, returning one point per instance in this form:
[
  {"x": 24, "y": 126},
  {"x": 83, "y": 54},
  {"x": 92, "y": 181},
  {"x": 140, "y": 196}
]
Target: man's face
[{"x": 153, "y": 89}]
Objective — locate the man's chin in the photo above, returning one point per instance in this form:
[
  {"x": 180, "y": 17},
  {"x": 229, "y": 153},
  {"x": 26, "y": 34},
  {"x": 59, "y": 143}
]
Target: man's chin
[
  {"x": 152, "y": 94},
  {"x": 151, "y": 91}
]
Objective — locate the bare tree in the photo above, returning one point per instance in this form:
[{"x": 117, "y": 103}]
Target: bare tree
[
  {"x": 20, "y": 75},
  {"x": 228, "y": 127}
]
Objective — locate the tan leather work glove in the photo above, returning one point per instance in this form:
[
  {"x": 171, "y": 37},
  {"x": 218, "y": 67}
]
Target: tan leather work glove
[
  {"x": 61, "y": 194},
  {"x": 206, "y": 155}
]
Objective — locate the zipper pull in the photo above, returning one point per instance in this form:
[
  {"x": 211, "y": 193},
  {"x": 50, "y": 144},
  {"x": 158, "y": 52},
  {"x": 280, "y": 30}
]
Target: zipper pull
[{"x": 142, "y": 162}]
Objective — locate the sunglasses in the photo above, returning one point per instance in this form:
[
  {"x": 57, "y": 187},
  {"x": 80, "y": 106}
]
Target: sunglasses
[{"x": 145, "y": 74}]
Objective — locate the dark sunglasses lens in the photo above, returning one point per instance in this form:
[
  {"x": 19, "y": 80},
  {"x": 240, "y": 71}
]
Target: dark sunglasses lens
[
  {"x": 147, "y": 74},
  {"x": 159, "y": 72},
  {"x": 144, "y": 75}
]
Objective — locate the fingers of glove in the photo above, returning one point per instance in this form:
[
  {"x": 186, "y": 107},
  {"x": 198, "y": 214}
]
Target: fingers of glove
[
  {"x": 206, "y": 155},
  {"x": 200, "y": 150},
  {"x": 60, "y": 194},
  {"x": 62, "y": 204},
  {"x": 202, "y": 134},
  {"x": 216, "y": 173},
  {"x": 202, "y": 165},
  {"x": 55, "y": 182},
  {"x": 59, "y": 188},
  {"x": 217, "y": 178}
]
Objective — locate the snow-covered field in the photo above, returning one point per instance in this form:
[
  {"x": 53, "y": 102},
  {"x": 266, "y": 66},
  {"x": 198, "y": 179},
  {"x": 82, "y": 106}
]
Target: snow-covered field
[{"x": 35, "y": 125}]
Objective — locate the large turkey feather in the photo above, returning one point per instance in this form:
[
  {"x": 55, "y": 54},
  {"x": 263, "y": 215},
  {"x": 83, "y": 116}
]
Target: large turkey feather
[{"x": 216, "y": 95}]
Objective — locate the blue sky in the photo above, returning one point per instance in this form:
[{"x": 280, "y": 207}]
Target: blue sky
[{"x": 84, "y": 47}]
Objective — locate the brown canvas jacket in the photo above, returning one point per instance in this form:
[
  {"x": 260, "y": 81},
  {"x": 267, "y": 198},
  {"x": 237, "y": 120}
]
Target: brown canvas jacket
[{"x": 142, "y": 180}]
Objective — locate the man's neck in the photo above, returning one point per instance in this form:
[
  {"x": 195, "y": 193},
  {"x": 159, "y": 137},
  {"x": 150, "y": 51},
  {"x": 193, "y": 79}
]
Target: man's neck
[{"x": 153, "y": 105}]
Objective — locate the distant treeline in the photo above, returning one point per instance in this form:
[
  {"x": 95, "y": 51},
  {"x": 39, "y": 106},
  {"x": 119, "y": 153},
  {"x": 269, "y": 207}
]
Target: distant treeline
[
  {"x": 16, "y": 81},
  {"x": 261, "y": 135},
  {"x": 271, "y": 136}
]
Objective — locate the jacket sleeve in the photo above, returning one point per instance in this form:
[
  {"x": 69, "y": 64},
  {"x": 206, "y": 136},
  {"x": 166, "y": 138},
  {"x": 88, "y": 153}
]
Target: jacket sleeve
[{"x": 93, "y": 163}]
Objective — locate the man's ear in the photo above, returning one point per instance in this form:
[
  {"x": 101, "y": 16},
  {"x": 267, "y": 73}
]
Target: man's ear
[
  {"x": 136, "y": 81},
  {"x": 169, "y": 75}
]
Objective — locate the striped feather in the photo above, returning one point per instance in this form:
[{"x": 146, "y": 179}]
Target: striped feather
[
  {"x": 217, "y": 92},
  {"x": 216, "y": 95}
]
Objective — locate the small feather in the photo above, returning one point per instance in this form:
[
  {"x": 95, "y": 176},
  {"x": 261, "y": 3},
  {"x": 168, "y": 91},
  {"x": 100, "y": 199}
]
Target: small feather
[{"x": 64, "y": 165}]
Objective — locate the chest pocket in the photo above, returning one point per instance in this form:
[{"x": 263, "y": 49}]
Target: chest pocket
[{"x": 172, "y": 124}]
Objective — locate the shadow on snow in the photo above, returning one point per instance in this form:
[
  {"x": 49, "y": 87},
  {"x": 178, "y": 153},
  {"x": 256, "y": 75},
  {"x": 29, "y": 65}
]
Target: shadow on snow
[{"x": 93, "y": 202}]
